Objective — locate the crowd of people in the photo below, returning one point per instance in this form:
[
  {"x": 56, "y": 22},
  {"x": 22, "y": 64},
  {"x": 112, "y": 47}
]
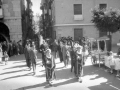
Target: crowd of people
[
  {"x": 66, "y": 48},
  {"x": 8, "y": 49}
]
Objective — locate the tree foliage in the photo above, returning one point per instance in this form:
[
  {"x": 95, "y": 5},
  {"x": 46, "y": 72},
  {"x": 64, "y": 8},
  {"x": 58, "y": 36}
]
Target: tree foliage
[{"x": 106, "y": 20}]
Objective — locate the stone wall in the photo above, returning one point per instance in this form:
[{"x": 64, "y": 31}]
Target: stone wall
[{"x": 12, "y": 18}]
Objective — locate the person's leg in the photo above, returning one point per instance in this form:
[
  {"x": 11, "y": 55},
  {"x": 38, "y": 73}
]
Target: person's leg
[
  {"x": 80, "y": 72},
  {"x": 34, "y": 66},
  {"x": 27, "y": 62},
  {"x": 111, "y": 69},
  {"x": 49, "y": 76},
  {"x": 75, "y": 69},
  {"x": 5, "y": 61},
  {"x": 46, "y": 74}
]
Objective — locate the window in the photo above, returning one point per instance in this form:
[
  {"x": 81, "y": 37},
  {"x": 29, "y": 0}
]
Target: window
[
  {"x": 102, "y": 6},
  {"x": 77, "y": 9}
]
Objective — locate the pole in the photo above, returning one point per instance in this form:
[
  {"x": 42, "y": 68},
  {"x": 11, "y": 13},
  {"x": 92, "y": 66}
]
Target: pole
[{"x": 98, "y": 52}]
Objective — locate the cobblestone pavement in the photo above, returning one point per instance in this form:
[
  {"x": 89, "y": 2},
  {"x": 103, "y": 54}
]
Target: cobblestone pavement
[{"x": 15, "y": 76}]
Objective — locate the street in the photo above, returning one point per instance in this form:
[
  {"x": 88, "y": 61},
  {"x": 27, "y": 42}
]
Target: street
[{"x": 15, "y": 76}]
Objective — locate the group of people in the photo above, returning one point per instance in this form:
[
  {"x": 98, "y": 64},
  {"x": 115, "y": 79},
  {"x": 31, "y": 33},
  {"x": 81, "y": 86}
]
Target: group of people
[
  {"x": 3, "y": 56},
  {"x": 31, "y": 55},
  {"x": 15, "y": 48},
  {"x": 8, "y": 49},
  {"x": 67, "y": 50}
]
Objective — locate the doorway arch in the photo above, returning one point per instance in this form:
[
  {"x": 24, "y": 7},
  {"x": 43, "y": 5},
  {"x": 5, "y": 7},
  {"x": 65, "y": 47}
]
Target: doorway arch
[
  {"x": 4, "y": 31},
  {"x": 4, "y": 34}
]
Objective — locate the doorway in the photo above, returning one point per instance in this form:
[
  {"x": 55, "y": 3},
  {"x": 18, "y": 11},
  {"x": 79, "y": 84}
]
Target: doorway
[
  {"x": 78, "y": 33},
  {"x": 4, "y": 33}
]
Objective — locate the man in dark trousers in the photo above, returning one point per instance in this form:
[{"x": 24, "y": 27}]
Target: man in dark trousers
[
  {"x": 79, "y": 64},
  {"x": 43, "y": 48},
  {"x": 27, "y": 54},
  {"x": 73, "y": 58}
]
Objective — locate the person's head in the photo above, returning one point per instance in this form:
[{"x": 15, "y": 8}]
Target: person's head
[
  {"x": 44, "y": 42},
  {"x": 110, "y": 53},
  {"x": 33, "y": 46},
  {"x": 5, "y": 52},
  {"x": 48, "y": 53},
  {"x": 28, "y": 44}
]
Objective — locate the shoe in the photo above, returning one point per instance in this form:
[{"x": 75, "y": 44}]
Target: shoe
[
  {"x": 80, "y": 80},
  {"x": 34, "y": 73},
  {"x": 50, "y": 83}
]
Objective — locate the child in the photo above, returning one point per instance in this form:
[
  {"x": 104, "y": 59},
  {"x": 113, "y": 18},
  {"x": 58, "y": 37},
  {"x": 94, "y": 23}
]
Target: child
[
  {"x": 6, "y": 57},
  {"x": 112, "y": 62},
  {"x": 118, "y": 71}
]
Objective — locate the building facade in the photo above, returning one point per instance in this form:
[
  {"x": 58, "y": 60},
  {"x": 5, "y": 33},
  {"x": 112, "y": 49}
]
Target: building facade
[
  {"x": 73, "y": 18},
  {"x": 11, "y": 19}
]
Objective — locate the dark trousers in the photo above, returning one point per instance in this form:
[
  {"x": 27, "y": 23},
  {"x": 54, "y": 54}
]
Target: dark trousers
[
  {"x": 72, "y": 65},
  {"x": 28, "y": 62},
  {"x": 33, "y": 61},
  {"x": 50, "y": 74},
  {"x": 43, "y": 60},
  {"x": 60, "y": 56},
  {"x": 78, "y": 68}
]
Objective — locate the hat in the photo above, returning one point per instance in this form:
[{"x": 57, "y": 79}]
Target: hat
[
  {"x": 48, "y": 53},
  {"x": 48, "y": 50}
]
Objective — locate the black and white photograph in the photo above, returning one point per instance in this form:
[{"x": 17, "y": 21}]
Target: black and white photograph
[{"x": 59, "y": 44}]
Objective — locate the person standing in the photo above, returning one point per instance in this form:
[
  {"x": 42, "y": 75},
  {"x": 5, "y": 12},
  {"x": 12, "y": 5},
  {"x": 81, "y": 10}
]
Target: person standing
[
  {"x": 43, "y": 48},
  {"x": 73, "y": 58},
  {"x": 60, "y": 51},
  {"x": 27, "y": 54},
  {"x": 33, "y": 57},
  {"x": 55, "y": 48},
  {"x": 64, "y": 52},
  {"x": 79, "y": 64},
  {"x": 67, "y": 53},
  {"x": 50, "y": 67},
  {"x": 6, "y": 57}
]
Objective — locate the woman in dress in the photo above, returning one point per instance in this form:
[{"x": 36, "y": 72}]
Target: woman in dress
[
  {"x": 50, "y": 67},
  {"x": 33, "y": 56}
]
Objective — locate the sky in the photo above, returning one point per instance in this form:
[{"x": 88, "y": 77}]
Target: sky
[{"x": 36, "y": 7}]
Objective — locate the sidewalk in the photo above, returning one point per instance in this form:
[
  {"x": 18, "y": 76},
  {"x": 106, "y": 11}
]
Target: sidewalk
[{"x": 14, "y": 76}]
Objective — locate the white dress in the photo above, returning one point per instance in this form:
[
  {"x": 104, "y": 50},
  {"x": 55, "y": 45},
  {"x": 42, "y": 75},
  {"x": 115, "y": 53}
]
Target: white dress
[
  {"x": 107, "y": 61},
  {"x": 1, "y": 54},
  {"x": 112, "y": 61},
  {"x": 117, "y": 63}
]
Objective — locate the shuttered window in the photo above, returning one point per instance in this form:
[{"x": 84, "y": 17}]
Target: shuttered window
[{"x": 77, "y": 9}]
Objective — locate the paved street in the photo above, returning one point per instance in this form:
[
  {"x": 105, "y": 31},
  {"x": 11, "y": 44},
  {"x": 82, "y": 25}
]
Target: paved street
[{"x": 15, "y": 76}]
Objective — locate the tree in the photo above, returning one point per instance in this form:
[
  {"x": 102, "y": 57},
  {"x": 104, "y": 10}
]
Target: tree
[
  {"x": 106, "y": 20},
  {"x": 28, "y": 19}
]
